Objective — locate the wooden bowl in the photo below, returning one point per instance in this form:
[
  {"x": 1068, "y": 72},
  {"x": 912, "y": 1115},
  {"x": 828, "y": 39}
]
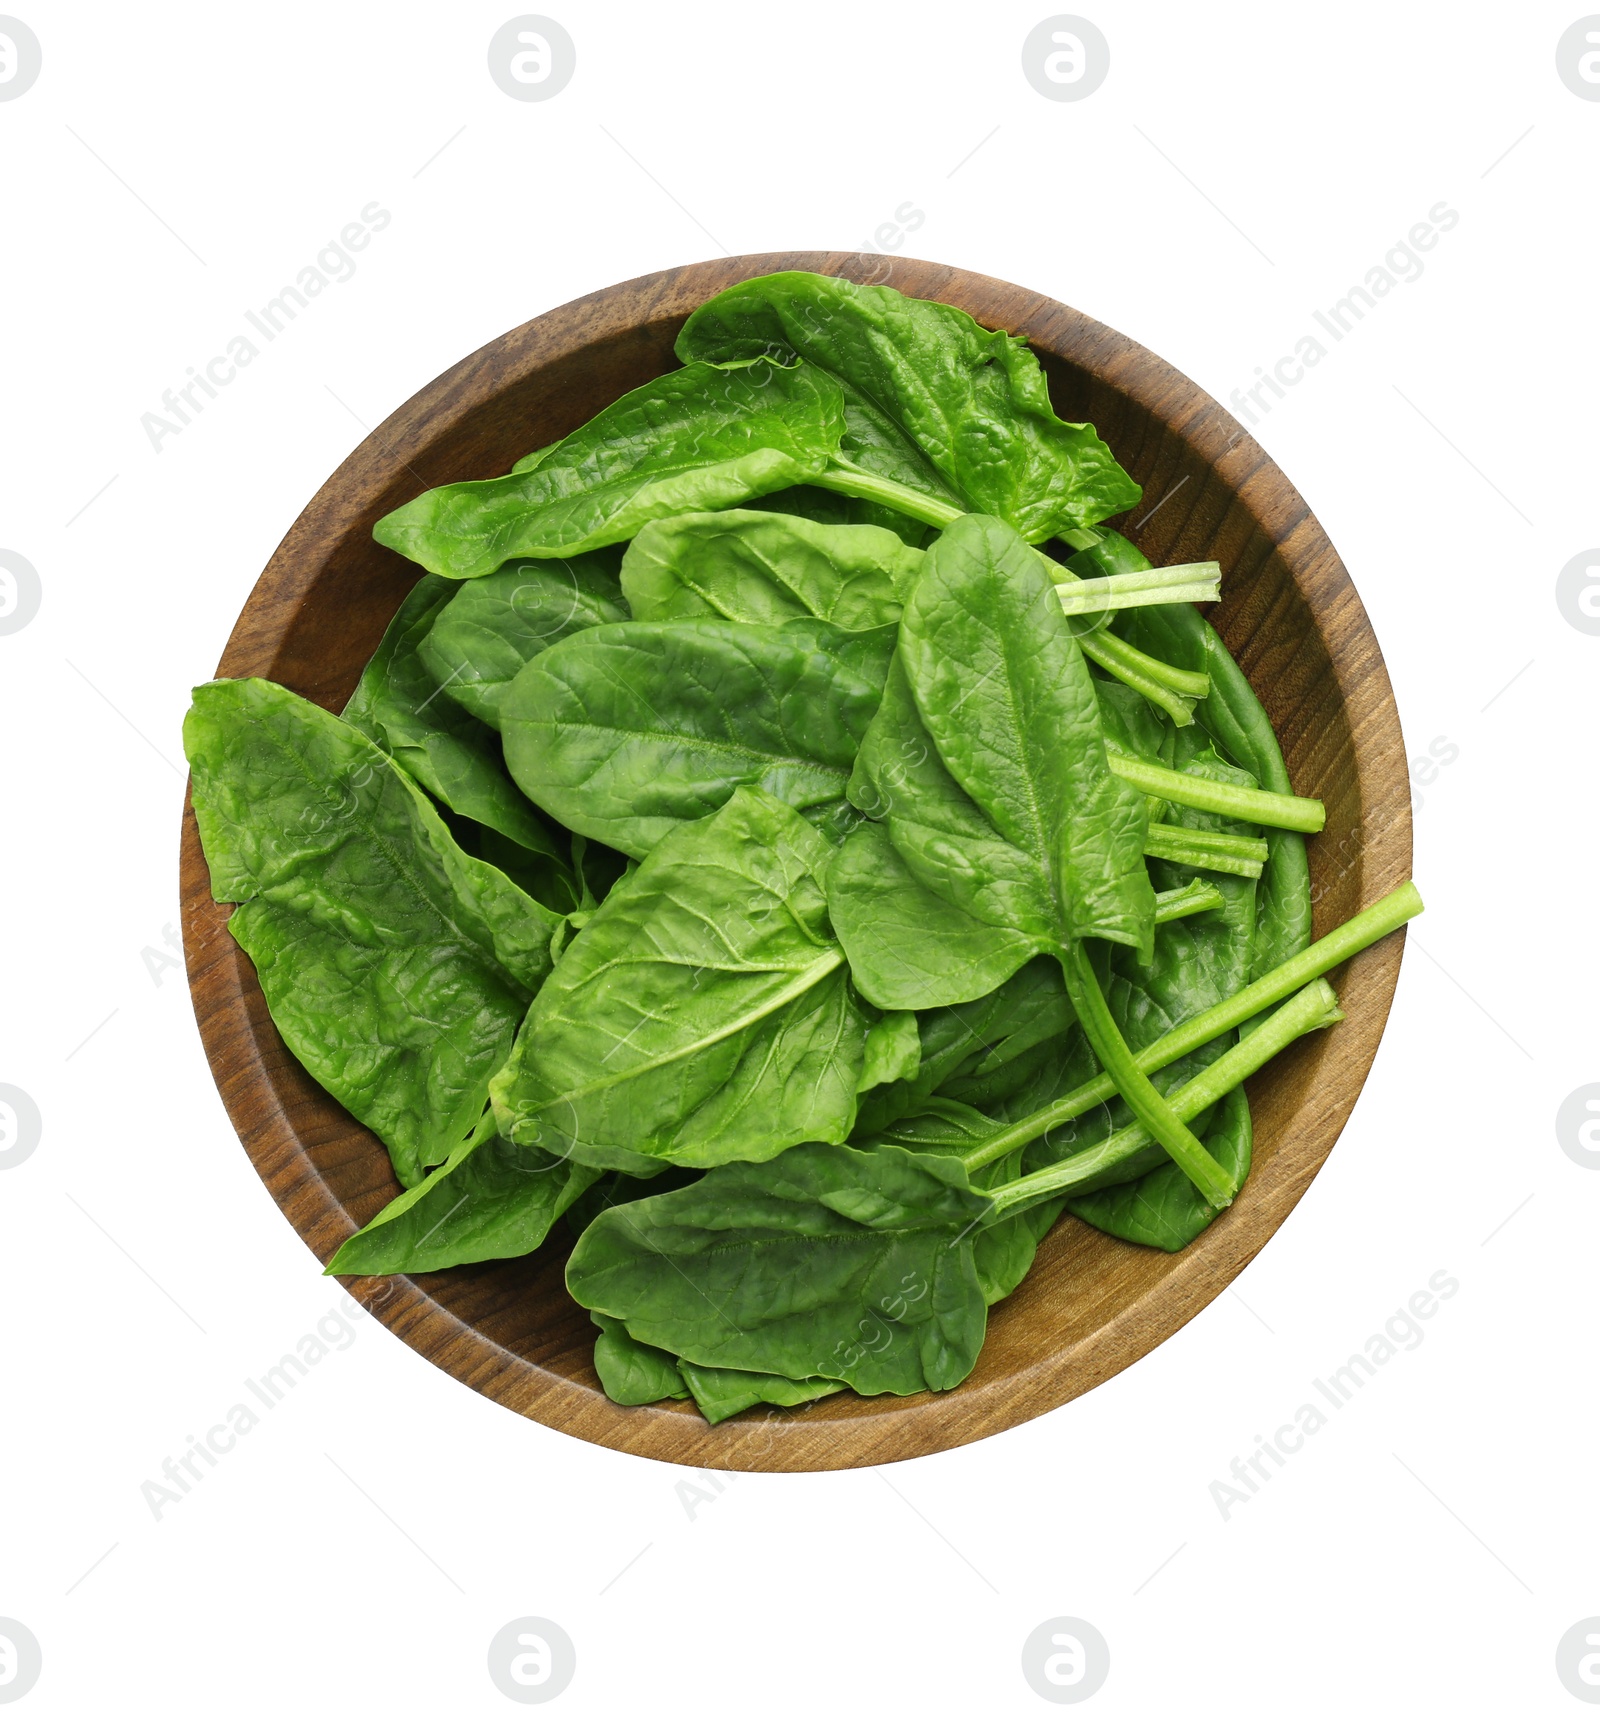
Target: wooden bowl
[{"x": 1092, "y": 1304}]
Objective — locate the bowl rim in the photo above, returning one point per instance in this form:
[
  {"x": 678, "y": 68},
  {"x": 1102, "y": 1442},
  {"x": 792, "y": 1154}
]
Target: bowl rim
[{"x": 249, "y": 1062}]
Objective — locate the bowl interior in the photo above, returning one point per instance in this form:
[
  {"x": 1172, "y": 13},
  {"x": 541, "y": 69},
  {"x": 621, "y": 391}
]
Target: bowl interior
[{"x": 1092, "y": 1304}]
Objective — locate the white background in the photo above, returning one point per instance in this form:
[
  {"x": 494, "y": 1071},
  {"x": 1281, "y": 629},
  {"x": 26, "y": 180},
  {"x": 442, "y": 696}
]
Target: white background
[{"x": 1240, "y": 167}]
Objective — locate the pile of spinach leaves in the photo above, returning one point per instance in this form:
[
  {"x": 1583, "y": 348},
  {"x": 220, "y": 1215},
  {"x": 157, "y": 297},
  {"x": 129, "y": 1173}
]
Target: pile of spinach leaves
[{"x": 785, "y": 834}]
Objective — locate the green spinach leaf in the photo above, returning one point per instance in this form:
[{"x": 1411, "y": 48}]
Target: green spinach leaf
[
  {"x": 767, "y": 568},
  {"x": 893, "y": 1051},
  {"x": 997, "y": 679},
  {"x": 829, "y": 1261},
  {"x": 396, "y": 967},
  {"x": 972, "y": 402},
  {"x": 495, "y": 624},
  {"x": 1008, "y": 700},
  {"x": 632, "y": 1373},
  {"x": 706, "y": 436},
  {"x": 398, "y": 704},
  {"x": 627, "y": 732},
  {"x": 703, "y": 1013},
  {"x": 721, "y": 1392},
  {"x": 987, "y": 765},
  {"x": 489, "y": 1200},
  {"x": 909, "y": 946}
]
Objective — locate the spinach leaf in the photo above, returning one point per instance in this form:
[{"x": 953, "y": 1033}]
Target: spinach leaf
[
  {"x": 495, "y": 624},
  {"x": 829, "y": 1261},
  {"x": 630, "y": 1372},
  {"x": 633, "y": 1373},
  {"x": 707, "y": 436},
  {"x": 893, "y": 1051},
  {"x": 909, "y": 946},
  {"x": 626, "y": 732},
  {"x": 721, "y": 1392},
  {"x": 529, "y": 461},
  {"x": 766, "y": 568},
  {"x": 398, "y": 705},
  {"x": 395, "y": 966},
  {"x": 702, "y": 1014},
  {"x": 874, "y": 442},
  {"x": 1162, "y": 1208},
  {"x": 987, "y": 764},
  {"x": 489, "y": 1200},
  {"x": 1003, "y": 1251},
  {"x": 972, "y": 402},
  {"x": 1006, "y": 698}
]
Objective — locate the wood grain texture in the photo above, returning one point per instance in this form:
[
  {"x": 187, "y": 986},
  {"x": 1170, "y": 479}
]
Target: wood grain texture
[{"x": 1092, "y": 1304}]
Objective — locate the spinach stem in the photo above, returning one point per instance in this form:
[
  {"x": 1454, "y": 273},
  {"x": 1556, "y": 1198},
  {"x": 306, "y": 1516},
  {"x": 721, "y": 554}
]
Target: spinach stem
[
  {"x": 1119, "y": 657},
  {"x": 1253, "y": 805},
  {"x": 1193, "y": 582},
  {"x": 1384, "y": 916},
  {"x": 1196, "y": 897},
  {"x": 1101, "y": 647},
  {"x": 1157, "y": 681},
  {"x": 1316, "y": 1006},
  {"x": 1148, "y": 1106},
  {"x": 1211, "y": 850},
  {"x": 851, "y": 480}
]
